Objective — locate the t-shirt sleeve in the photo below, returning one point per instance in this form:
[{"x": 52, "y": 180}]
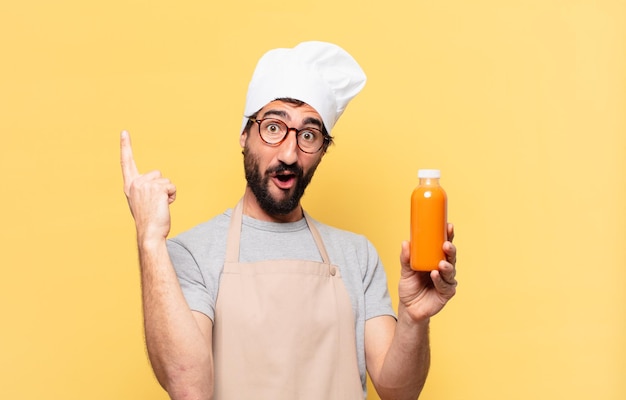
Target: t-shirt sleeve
[
  {"x": 192, "y": 282},
  {"x": 377, "y": 299}
]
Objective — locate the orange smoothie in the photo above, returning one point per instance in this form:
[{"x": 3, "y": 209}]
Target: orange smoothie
[{"x": 428, "y": 222}]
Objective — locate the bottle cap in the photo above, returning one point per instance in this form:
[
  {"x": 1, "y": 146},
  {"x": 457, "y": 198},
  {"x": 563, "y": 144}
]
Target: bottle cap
[{"x": 429, "y": 173}]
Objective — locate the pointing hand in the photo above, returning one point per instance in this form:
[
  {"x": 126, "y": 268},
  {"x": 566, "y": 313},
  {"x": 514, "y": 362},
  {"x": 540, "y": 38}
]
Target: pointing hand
[{"x": 149, "y": 195}]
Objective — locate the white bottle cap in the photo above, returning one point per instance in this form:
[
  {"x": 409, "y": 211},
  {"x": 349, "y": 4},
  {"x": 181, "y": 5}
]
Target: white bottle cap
[{"x": 429, "y": 173}]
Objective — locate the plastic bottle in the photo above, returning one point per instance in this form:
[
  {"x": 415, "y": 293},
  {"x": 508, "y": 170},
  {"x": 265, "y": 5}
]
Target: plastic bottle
[{"x": 429, "y": 208}]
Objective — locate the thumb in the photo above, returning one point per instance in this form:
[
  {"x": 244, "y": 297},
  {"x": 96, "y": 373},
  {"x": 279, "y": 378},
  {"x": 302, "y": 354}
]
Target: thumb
[
  {"x": 405, "y": 255},
  {"x": 171, "y": 193}
]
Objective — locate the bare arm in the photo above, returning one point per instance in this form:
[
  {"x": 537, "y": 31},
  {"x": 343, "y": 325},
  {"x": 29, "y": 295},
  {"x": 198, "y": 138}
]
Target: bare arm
[
  {"x": 179, "y": 341},
  {"x": 398, "y": 353}
]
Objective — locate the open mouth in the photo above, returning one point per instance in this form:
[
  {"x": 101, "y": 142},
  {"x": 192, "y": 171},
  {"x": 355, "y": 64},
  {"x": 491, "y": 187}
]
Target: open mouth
[
  {"x": 284, "y": 180},
  {"x": 285, "y": 177}
]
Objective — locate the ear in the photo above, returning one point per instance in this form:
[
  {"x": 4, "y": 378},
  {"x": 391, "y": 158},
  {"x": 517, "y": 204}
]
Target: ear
[{"x": 242, "y": 139}]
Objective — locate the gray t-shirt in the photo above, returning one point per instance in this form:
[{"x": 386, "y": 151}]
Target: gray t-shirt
[{"x": 198, "y": 257}]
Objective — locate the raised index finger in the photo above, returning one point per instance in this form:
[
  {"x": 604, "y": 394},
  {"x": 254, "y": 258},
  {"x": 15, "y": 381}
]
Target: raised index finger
[{"x": 129, "y": 169}]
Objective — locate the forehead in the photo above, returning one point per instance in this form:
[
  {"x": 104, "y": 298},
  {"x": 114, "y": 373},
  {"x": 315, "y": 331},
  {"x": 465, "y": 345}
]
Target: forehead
[{"x": 289, "y": 111}]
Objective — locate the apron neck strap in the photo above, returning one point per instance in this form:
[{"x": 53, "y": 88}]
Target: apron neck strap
[
  {"x": 234, "y": 235},
  {"x": 317, "y": 237}
]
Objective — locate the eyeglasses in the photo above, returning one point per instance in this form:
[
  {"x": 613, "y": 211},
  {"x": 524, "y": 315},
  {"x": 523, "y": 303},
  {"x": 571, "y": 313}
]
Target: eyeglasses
[{"x": 274, "y": 132}]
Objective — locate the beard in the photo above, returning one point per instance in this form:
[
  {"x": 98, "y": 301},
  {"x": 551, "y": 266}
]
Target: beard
[{"x": 259, "y": 184}]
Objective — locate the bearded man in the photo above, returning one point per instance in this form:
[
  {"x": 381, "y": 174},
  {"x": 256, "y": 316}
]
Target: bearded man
[{"x": 263, "y": 301}]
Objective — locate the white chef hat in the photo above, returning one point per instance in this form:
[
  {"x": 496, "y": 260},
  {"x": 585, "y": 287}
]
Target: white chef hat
[{"x": 323, "y": 75}]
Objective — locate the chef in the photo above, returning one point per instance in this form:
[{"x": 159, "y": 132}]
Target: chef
[{"x": 263, "y": 301}]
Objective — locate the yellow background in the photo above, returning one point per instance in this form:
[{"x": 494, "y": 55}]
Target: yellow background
[{"x": 520, "y": 103}]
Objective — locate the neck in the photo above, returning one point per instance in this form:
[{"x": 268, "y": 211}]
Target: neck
[{"x": 252, "y": 209}]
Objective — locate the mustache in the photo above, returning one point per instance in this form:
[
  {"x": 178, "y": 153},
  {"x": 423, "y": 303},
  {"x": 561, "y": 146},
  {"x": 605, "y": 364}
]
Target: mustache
[{"x": 282, "y": 167}]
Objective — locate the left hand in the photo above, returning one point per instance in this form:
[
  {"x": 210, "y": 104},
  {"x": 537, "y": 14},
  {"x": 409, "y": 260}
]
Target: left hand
[{"x": 424, "y": 294}]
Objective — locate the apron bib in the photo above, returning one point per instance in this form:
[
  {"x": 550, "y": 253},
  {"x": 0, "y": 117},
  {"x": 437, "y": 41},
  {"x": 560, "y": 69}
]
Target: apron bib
[{"x": 284, "y": 329}]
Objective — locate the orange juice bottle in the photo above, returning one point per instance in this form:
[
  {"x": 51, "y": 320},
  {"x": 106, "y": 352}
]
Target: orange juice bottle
[{"x": 428, "y": 221}]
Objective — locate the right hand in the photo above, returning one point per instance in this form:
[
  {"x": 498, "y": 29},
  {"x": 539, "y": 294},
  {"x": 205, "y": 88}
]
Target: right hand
[
  {"x": 424, "y": 294},
  {"x": 149, "y": 196}
]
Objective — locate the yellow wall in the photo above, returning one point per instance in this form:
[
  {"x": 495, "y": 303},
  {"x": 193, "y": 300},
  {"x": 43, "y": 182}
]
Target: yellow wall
[{"x": 521, "y": 103}]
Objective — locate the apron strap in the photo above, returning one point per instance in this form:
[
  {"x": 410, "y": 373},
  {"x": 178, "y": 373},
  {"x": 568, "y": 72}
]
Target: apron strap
[
  {"x": 318, "y": 238},
  {"x": 234, "y": 235}
]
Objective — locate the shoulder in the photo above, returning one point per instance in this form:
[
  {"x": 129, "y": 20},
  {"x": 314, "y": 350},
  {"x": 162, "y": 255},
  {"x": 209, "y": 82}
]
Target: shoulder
[
  {"x": 334, "y": 232},
  {"x": 211, "y": 231},
  {"x": 346, "y": 242}
]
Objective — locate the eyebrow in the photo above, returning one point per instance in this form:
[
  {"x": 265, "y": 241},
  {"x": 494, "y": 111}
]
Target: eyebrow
[
  {"x": 283, "y": 114},
  {"x": 278, "y": 113},
  {"x": 313, "y": 121}
]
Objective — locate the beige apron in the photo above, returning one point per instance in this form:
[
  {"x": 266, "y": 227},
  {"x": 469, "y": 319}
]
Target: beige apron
[{"x": 284, "y": 329}]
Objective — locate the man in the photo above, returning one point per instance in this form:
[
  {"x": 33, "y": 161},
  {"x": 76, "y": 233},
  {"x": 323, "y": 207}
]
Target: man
[{"x": 263, "y": 302}]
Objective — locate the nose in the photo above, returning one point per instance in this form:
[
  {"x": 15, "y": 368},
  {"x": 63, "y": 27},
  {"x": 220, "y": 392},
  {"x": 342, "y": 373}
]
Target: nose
[{"x": 288, "y": 149}]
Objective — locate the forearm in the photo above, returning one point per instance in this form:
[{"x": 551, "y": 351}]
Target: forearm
[
  {"x": 179, "y": 352},
  {"x": 407, "y": 361}
]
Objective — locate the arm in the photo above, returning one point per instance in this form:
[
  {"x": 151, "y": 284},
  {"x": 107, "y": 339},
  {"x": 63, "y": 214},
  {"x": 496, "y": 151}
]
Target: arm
[
  {"x": 179, "y": 341},
  {"x": 398, "y": 353}
]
